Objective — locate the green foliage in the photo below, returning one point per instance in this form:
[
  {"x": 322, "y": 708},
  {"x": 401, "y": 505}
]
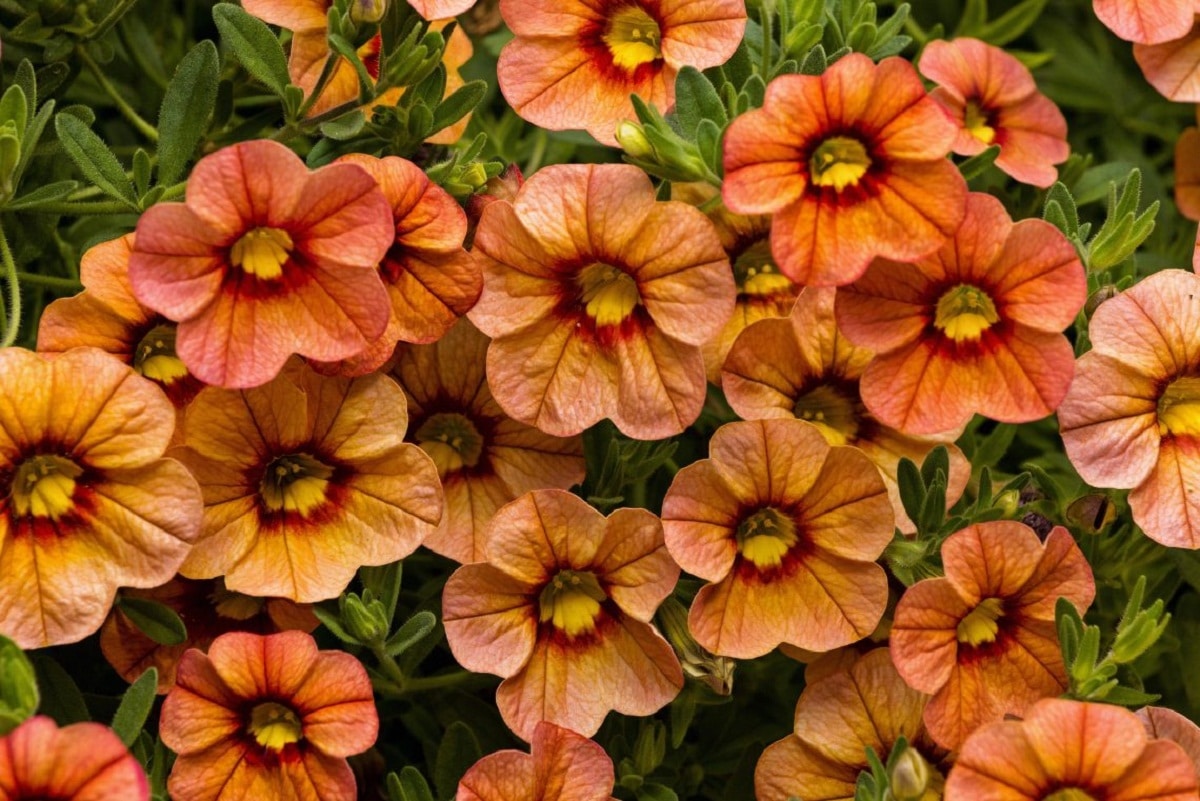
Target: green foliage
[{"x": 18, "y": 686}]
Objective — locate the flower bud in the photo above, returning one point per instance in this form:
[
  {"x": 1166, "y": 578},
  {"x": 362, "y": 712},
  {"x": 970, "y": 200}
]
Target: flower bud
[
  {"x": 368, "y": 12},
  {"x": 699, "y": 663},
  {"x": 910, "y": 777},
  {"x": 365, "y": 621},
  {"x": 633, "y": 140}
]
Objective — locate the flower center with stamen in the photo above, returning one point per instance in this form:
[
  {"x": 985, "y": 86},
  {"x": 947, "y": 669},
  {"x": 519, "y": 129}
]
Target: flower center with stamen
[
  {"x": 44, "y": 486},
  {"x": 765, "y": 536},
  {"x": 451, "y": 440},
  {"x": 295, "y": 483},
  {"x": 262, "y": 252},
  {"x": 155, "y": 356},
  {"x": 981, "y": 624},
  {"x": 274, "y": 726},
  {"x": 234, "y": 605},
  {"x": 1070, "y": 794},
  {"x": 756, "y": 274},
  {"x": 1179, "y": 408},
  {"x": 609, "y": 294},
  {"x": 831, "y": 411},
  {"x": 965, "y": 312},
  {"x": 571, "y": 602},
  {"x": 839, "y": 162},
  {"x": 976, "y": 122},
  {"x": 633, "y": 38}
]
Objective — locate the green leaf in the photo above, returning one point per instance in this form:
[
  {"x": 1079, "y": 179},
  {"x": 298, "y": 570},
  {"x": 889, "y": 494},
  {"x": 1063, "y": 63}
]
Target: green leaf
[
  {"x": 976, "y": 165},
  {"x": 1127, "y": 696},
  {"x": 652, "y": 791},
  {"x": 708, "y": 140},
  {"x": 188, "y": 103},
  {"x": 415, "y": 629},
  {"x": 332, "y": 621},
  {"x": 47, "y": 193},
  {"x": 255, "y": 46},
  {"x": 345, "y": 127},
  {"x": 15, "y": 109},
  {"x": 156, "y": 621},
  {"x": 60, "y": 696},
  {"x": 912, "y": 488},
  {"x": 409, "y": 785},
  {"x": 135, "y": 707},
  {"x": 458, "y": 751},
  {"x": 93, "y": 158},
  {"x": 384, "y": 582},
  {"x": 458, "y": 105},
  {"x": 18, "y": 686},
  {"x": 1013, "y": 23},
  {"x": 1060, "y": 197},
  {"x": 696, "y": 99}
]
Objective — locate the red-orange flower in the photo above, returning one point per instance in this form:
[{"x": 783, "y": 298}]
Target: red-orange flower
[
  {"x": 597, "y": 299},
  {"x": 560, "y": 766},
  {"x": 1173, "y": 67},
  {"x": 787, "y": 530},
  {"x": 852, "y": 165},
  {"x": 80, "y": 762},
  {"x": 574, "y": 63},
  {"x": 973, "y": 327},
  {"x": 267, "y": 717},
  {"x": 265, "y": 259},
  {"x": 982, "y": 640},
  {"x": 1147, "y": 21},
  {"x": 562, "y": 610}
]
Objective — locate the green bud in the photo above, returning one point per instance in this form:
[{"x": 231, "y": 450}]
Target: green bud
[
  {"x": 699, "y": 663},
  {"x": 365, "y": 620},
  {"x": 1008, "y": 502},
  {"x": 10, "y": 157},
  {"x": 633, "y": 141},
  {"x": 18, "y": 686},
  {"x": 368, "y": 12},
  {"x": 912, "y": 777},
  {"x": 650, "y": 748},
  {"x": 474, "y": 175}
]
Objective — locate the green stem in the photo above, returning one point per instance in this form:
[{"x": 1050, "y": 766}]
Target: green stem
[
  {"x": 114, "y": 16},
  {"x": 83, "y": 209},
  {"x": 146, "y": 129},
  {"x": 443, "y": 681},
  {"x": 50, "y": 281},
  {"x": 12, "y": 287},
  {"x": 390, "y": 669}
]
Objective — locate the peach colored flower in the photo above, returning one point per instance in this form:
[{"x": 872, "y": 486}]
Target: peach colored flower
[
  {"x": 265, "y": 259},
  {"x": 973, "y": 328},
  {"x": 786, "y": 529},
  {"x": 1187, "y": 171},
  {"x": 1173, "y": 67},
  {"x": 441, "y": 9},
  {"x": 598, "y": 299},
  {"x": 982, "y": 640},
  {"x": 562, "y": 608},
  {"x": 852, "y": 165},
  {"x": 267, "y": 717},
  {"x": 1147, "y": 21},
  {"x": 1167, "y": 724},
  {"x": 80, "y": 762},
  {"x": 87, "y": 503},
  {"x": 561, "y": 766}
]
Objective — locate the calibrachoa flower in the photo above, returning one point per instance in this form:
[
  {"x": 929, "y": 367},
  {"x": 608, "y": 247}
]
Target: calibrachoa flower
[
  {"x": 267, "y": 717},
  {"x": 1167, "y": 724},
  {"x": 87, "y": 503},
  {"x": 973, "y": 327},
  {"x": 80, "y": 762},
  {"x": 787, "y": 529},
  {"x": 803, "y": 367},
  {"x": 306, "y": 480},
  {"x": 562, "y": 608},
  {"x": 852, "y": 165},
  {"x": 560, "y": 766},
  {"x": 982, "y": 639},
  {"x": 1173, "y": 67},
  {"x": 1070, "y": 751},
  {"x": 574, "y": 63},
  {"x": 1132, "y": 417},
  {"x": 597, "y": 299},
  {"x": 265, "y": 259},
  {"x": 1187, "y": 171},
  {"x": 1147, "y": 21},
  {"x": 484, "y": 458},
  {"x": 992, "y": 98}
]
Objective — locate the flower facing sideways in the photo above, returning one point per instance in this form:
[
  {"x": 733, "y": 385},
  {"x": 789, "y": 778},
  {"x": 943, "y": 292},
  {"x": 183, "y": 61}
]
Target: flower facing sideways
[
  {"x": 561, "y": 766},
  {"x": 80, "y": 762}
]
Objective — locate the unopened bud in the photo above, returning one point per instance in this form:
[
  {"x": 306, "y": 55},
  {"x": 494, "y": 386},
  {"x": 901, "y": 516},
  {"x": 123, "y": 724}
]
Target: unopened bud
[
  {"x": 633, "y": 141},
  {"x": 910, "y": 777},
  {"x": 1091, "y": 514},
  {"x": 368, "y": 12},
  {"x": 1007, "y": 502},
  {"x": 699, "y": 663},
  {"x": 1099, "y": 296},
  {"x": 366, "y": 622},
  {"x": 474, "y": 175}
]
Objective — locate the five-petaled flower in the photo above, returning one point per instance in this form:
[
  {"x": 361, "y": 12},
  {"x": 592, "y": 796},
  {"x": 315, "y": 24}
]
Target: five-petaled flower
[
  {"x": 560, "y": 766},
  {"x": 80, "y": 762}
]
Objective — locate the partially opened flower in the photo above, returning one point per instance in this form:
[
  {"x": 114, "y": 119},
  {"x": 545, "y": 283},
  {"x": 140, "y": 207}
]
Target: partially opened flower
[
  {"x": 267, "y": 717},
  {"x": 993, "y": 99},
  {"x": 265, "y": 259},
  {"x": 80, "y": 762},
  {"x": 575, "y": 63},
  {"x": 786, "y": 529},
  {"x": 852, "y": 165},
  {"x": 1147, "y": 21},
  {"x": 982, "y": 639},
  {"x": 87, "y": 503},
  {"x": 1173, "y": 67},
  {"x": 560, "y": 766},
  {"x": 1070, "y": 751},
  {"x": 975, "y": 327},
  {"x": 562, "y": 608},
  {"x": 597, "y": 299},
  {"x": 1187, "y": 171}
]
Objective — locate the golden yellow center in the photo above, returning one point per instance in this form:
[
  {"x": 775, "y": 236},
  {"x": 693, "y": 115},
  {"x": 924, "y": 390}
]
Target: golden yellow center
[
  {"x": 1070, "y": 794},
  {"x": 262, "y": 252},
  {"x": 234, "y": 605},
  {"x": 155, "y": 356},
  {"x": 965, "y": 312},
  {"x": 295, "y": 483},
  {"x": 275, "y": 726},
  {"x": 633, "y": 38},
  {"x": 44, "y": 486},
  {"x": 765, "y": 537},
  {"x": 976, "y": 123},
  {"x": 839, "y": 161},
  {"x": 756, "y": 274},
  {"x": 609, "y": 294},
  {"x": 1179, "y": 408},
  {"x": 571, "y": 602},
  {"x": 981, "y": 625},
  {"x": 451, "y": 440},
  {"x": 827, "y": 408}
]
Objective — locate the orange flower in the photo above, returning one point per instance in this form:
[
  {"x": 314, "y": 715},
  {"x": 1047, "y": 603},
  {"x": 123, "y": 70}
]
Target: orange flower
[
  {"x": 1147, "y": 21},
  {"x": 787, "y": 529},
  {"x": 1132, "y": 417},
  {"x": 1173, "y": 67},
  {"x": 1070, "y": 751},
  {"x": 265, "y": 259},
  {"x": 992, "y": 98},
  {"x": 982, "y": 639},
  {"x": 267, "y": 717},
  {"x": 598, "y": 299},
  {"x": 852, "y": 165},
  {"x": 1187, "y": 171},
  {"x": 440, "y": 9},
  {"x": 484, "y": 458},
  {"x": 974, "y": 327},
  {"x": 562, "y": 610},
  {"x": 561, "y": 766},
  {"x": 87, "y": 503},
  {"x": 574, "y": 63},
  {"x": 306, "y": 480},
  {"x": 1167, "y": 724},
  {"x": 80, "y": 762},
  {"x": 803, "y": 367}
]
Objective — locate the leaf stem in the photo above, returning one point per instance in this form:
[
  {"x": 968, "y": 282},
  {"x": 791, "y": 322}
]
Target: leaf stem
[{"x": 146, "y": 129}]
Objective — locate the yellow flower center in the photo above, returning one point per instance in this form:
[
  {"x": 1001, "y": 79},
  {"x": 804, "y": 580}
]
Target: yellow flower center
[
  {"x": 756, "y": 274},
  {"x": 839, "y": 162},
  {"x": 44, "y": 486},
  {"x": 1070, "y": 794},
  {"x": 155, "y": 356},
  {"x": 1179, "y": 408},
  {"x": 965, "y": 312},
  {"x": 633, "y": 38},
  {"x": 262, "y": 252},
  {"x": 765, "y": 536},
  {"x": 452, "y": 441},
  {"x": 295, "y": 483},
  {"x": 609, "y": 294},
  {"x": 571, "y": 602},
  {"x": 981, "y": 624},
  {"x": 234, "y": 605},
  {"x": 831, "y": 411},
  {"x": 274, "y": 726},
  {"x": 976, "y": 123}
]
